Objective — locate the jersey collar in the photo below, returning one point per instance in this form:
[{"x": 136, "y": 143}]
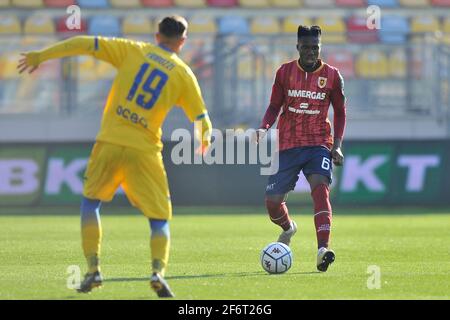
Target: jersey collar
[{"x": 317, "y": 70}]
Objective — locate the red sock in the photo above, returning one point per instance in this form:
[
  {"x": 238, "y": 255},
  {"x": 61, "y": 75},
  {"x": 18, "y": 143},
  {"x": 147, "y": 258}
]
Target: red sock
[
  {"x": 322, "y": 214},
  {"x": 279, "y": 214}
]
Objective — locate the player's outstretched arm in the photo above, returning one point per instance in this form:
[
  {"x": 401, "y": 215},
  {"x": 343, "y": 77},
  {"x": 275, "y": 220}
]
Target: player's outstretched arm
[
  {"x": 203, "y": 130},
  {"x": 78, "y": 45}
]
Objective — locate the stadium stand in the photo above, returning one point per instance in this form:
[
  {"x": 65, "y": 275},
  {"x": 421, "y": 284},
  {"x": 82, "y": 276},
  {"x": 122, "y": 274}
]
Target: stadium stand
[
  {"x": 9, "y": 24},
  {"x": 98, "y": 4},
  {"x": 440, "y": 3},
  {"x": 104, "y": 25},
  {"x": 125, "y": 3},
  {"x": 190, "y": 3},
  {"x": 397, "y": 63},
  {"x": 286, "y": 3},
  {"x": 372, "y": 64},
  {"x": 414, "y": 3},
  {"x": 344, "y": 61},
  {"x": 384, "y": 3},
  {"x": 333, "y": 29},
  {"x": 265, "y": 25},
  {"x": 222, "y": 3},
  {"x": 358, "y": 31},
  {"x": 137, "y": 24},
  {"x": 395, "y": 29},
  {"x": 27, "y": 3},
  {"x": 290, "y": 24},
  {"x": 319, "y": 3},
  {"x": 202, "y": 24},
  {"x": 59, "y": 3},
  {"x": 157, "y": 3},
  {"x": 233, "y": 24},
  {"x": 350, "y": 3},
  {"x": 39, "y": 24}
]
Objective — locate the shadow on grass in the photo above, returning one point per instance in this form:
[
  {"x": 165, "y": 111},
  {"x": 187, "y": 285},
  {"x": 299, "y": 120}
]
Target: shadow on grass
[{"x": 204, "y": 276}]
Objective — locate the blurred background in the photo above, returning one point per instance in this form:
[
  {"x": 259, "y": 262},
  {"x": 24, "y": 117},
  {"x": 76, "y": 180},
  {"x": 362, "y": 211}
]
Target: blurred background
[{"x": 397, "y": 142}]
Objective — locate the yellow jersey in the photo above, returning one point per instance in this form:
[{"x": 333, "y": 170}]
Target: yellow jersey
[{"x": 150, "y": 80}]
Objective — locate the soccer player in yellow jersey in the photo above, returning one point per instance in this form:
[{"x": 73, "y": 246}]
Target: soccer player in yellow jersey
[{"x": 150, "y": 80}]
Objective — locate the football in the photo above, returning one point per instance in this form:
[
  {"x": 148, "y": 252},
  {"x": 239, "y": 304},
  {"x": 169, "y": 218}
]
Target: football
[{"x": 276, "y": 257}]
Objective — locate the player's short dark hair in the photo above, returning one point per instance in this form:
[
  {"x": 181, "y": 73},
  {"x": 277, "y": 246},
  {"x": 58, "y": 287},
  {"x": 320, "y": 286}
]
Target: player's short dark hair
[
  {"x": 305, "y": 31},
  {"x": 173, "y": 26}
]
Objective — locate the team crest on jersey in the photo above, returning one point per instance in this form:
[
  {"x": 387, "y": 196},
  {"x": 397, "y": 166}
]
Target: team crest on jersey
[{"x": 322, "y": 82}]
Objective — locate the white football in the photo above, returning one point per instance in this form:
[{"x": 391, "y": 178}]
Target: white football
[{"x": 276, "y": 257}]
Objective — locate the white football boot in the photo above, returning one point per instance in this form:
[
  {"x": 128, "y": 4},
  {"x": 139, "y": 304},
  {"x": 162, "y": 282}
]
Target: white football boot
[
  {"x": 285, "y": 236},
  {"x": 325, "y": 257}
]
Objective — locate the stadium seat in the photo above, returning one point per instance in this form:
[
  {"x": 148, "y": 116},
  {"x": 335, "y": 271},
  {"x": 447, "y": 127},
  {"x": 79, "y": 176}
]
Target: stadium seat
[
  {"x": 287, "y": 3},
  {"x": 440, "y": 3},
  {"x": 58, "y": 3},
  {"x": 233, "y": 25},
  {"x": 61, "y": 27},
  {"x": 333, "y": 29},
  {"x": 344, "y": 61},
  {"x": 104, "y": 25},
  {"x": 86, "y": 68},
  {"x": 222, "y": 3},
  {"x": 350, "y": 3},
  {"x": 372, "y": 64},
  {"x": 137, "y": 24},
  {"x": 394, "y": 29},
  {"x": 190, "y": 3},
  {"x": 320, "y": 3},
  {"x": 5, "y": 3},
  {"x": 202, "y": 24},
  {"x": 397, "y": 63},
  {"x": 125, "y": 3},
  {"x": 39, "y": 24},
  {"x": 93, "y": 3},
  {"x": 157, "y": 3},
  {"x": 27, "y": 3},
  {"x": 9, "y": 24},
  {"x": 358, "y": 31},
  {"x": 265, "y": 25},
  {"x": 414, "y": 3},
  {"x": 425, "y": 24},
  {"x": 384, "y": 3},
  {"x": 254, "y": 3},
  {"x": 290, "y": 24},
  {"x": 8, "y": 64}
]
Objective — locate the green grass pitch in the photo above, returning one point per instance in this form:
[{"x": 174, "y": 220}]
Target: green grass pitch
[{"x": 215, "y": 255}]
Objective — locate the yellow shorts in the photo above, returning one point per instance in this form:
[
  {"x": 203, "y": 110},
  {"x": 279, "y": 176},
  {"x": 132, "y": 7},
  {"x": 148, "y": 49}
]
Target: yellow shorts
[{"x": 142, "y": 176}]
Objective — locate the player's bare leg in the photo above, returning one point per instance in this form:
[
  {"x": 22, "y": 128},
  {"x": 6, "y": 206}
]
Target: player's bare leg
[
  {"x": 91, "y": 233},
  {"x": 320, "y": 193},
  {"x": 278, "y": 211}
]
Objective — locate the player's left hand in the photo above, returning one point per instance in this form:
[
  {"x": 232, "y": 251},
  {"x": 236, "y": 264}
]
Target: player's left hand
[
  {"x": 202, "y": 149},
  {"x": 26, "y": 63},
  {"x": 338, "y": 156}
]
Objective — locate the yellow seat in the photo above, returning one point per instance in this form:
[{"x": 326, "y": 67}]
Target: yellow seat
[
  {"x": 333, "y": 29},
  {"x": 265, "y": 25},
  {"x": 27, "y": 3},
  {"x": 9, "y": 24},
  {"x": 414, "y": 3},
  {"x": 424, "y": 24},
  {"x": 372, "y": 64},
  {"x": 137, "y": 24},
  {"x": 290, "y": 24},
  {"x": 286, "y": 3},
  {"x": 125, "y": 3},
  {"x": 397, "y": 63},
  {"x": 254, "y": 3},
  {"x": 190, "y": 3},
  {"x": 39, "y": 24},
  {"x": 5, "y": 3},
  {"x": 202, "y": 24},
  {"x": 8, "y": 64}
]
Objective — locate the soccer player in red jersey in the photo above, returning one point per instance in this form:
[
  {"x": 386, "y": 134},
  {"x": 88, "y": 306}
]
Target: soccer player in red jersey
[{"x": 301, "y": 96}]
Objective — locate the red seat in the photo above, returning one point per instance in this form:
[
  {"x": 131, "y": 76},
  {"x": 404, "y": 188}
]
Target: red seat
[
  {"x": 157, "y": 3},
  {"x": 350, "y": 3},
  {"x": 358, "y": 31},
  {"x": 58, "y": 3},
  {"x": 440, "y": 3},
  {"x": 61, "y": 27},
  {"x": 343, "y": 60}
]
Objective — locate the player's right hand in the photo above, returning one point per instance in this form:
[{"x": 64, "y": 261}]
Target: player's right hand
[
  {"x": 259, "y": 134},
  {"x": 28, "y": 62}
]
